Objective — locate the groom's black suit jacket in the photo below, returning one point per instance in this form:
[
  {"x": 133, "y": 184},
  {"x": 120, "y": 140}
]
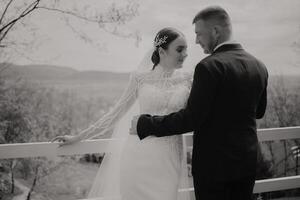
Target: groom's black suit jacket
[{"x": 227, "y": 96}]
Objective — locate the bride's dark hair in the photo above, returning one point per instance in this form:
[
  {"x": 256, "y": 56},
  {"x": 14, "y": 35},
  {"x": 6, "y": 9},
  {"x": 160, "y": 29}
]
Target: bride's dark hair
[{"x": 163, "y": 39}]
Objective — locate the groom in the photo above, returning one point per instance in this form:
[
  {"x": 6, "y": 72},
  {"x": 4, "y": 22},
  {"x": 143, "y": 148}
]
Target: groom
[{"x": 228, "y": 94}]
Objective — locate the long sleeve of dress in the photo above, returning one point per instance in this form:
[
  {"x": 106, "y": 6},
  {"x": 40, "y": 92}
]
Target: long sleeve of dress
[{"x": 108, "y": 121}]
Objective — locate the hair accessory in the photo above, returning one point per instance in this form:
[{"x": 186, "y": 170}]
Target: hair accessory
[{"x": 159, "y": 41}]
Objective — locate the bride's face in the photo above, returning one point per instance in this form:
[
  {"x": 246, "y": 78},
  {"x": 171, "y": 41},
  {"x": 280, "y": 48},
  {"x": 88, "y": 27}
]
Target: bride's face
[{"x": 176, "y": 53}]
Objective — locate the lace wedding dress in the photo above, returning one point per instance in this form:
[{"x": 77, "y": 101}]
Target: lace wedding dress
[{"x": 154, "y": 168}]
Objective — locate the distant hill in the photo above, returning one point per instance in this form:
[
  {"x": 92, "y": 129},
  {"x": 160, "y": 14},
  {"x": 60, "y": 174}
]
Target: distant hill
[
  {"x": 57, "y": 73},
  {"x": 50, "y": 74}
]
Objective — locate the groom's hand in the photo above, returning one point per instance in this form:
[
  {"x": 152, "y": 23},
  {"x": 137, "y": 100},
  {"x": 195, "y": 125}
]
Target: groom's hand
[{"x": 132, "y": 130}]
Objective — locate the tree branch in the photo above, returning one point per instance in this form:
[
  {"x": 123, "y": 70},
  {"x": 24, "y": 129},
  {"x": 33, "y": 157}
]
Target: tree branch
[
  {"x": 116, "y": 16},
  {"x": 5, "y": 10},
  {"x": 6, "y": 31},
  {"x": 8, "y": 26},
  {"x": 70, "y": 13}
]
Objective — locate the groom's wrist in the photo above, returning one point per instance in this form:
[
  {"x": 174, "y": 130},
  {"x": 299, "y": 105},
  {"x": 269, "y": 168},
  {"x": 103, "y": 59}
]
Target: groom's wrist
[{"x": 142, "y": 126}]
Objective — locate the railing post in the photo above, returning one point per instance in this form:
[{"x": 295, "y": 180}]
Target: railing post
[{"x": 296, "y": 152}]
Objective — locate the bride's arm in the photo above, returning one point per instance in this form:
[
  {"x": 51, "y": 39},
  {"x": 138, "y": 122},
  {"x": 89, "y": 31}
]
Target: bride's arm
[{"x": 108, "y": 121}]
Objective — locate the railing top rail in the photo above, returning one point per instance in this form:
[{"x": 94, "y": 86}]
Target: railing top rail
[
  {"x": 284, "y": 133},
  {"x": 269, "y": 134},
  {"x": 47, "y": 149}
]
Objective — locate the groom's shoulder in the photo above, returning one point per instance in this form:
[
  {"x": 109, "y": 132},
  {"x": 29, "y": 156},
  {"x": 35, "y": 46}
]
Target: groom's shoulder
[
  {"x": 219, "y": 63},
  {"x": 208, "y": 61},
  {"x": 212, "y": 64}
]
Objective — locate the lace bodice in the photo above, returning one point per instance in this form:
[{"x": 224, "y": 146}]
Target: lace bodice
[
  {"x": 158, "y": 94},
  {"x": 163, "y": 95}
]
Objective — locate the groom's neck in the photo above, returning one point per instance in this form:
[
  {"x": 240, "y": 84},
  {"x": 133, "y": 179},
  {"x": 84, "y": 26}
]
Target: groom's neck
[
  {"x": 224, "y": 41},
  {"x": 224, "y": 38}
]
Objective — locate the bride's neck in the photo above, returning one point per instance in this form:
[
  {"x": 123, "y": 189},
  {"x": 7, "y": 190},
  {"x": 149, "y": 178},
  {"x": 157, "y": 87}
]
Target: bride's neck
[{"x": 162, "y": 69}]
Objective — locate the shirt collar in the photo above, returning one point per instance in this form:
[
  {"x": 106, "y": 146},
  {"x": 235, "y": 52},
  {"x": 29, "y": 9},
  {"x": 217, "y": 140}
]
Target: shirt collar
[{"x": 226, "y": 42}]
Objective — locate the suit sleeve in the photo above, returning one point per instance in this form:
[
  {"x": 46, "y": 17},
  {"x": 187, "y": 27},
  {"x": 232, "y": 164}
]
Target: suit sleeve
[
  {"x": 192, "y": 116},
  {"x": 261, "y": 108}
]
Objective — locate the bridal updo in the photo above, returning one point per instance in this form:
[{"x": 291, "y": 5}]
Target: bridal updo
[{"x": 163, "y": 39}]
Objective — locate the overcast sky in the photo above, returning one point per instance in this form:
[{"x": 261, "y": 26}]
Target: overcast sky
[{"x": 266, "y": 28}]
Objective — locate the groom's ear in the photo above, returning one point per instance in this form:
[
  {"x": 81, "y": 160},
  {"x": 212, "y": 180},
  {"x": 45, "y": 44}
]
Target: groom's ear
[{"x": 216, "y": 31}]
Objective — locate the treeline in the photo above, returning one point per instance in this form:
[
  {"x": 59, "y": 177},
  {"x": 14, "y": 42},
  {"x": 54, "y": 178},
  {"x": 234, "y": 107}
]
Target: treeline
[
  {"x": 34, "y": 113},
  {"x": 283, "y": 110}
]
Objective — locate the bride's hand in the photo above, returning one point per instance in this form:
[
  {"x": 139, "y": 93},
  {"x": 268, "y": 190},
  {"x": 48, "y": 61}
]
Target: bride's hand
[
  {"x": 66, "y": 139},
  {"x": 132, "y": 130}
]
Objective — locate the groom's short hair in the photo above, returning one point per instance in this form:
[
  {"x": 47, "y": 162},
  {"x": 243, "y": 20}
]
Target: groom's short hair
[{"x": 213, "y": 13}]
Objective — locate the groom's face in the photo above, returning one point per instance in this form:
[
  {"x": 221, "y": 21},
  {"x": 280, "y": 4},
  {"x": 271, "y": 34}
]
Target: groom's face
[{"x": 204, "y": 36}]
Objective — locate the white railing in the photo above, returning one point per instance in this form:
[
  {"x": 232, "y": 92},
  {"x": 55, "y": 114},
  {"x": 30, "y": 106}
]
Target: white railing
[{"x": 23, "y": 150}]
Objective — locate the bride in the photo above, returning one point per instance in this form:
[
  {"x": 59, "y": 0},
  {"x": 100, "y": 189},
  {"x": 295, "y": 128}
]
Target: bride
[{"x": 154, "y": 168}]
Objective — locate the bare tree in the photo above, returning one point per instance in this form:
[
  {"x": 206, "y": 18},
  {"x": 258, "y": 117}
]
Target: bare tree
[
  {"x": 284, "y": 109},
  {"x": 15, "y": 15}
]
